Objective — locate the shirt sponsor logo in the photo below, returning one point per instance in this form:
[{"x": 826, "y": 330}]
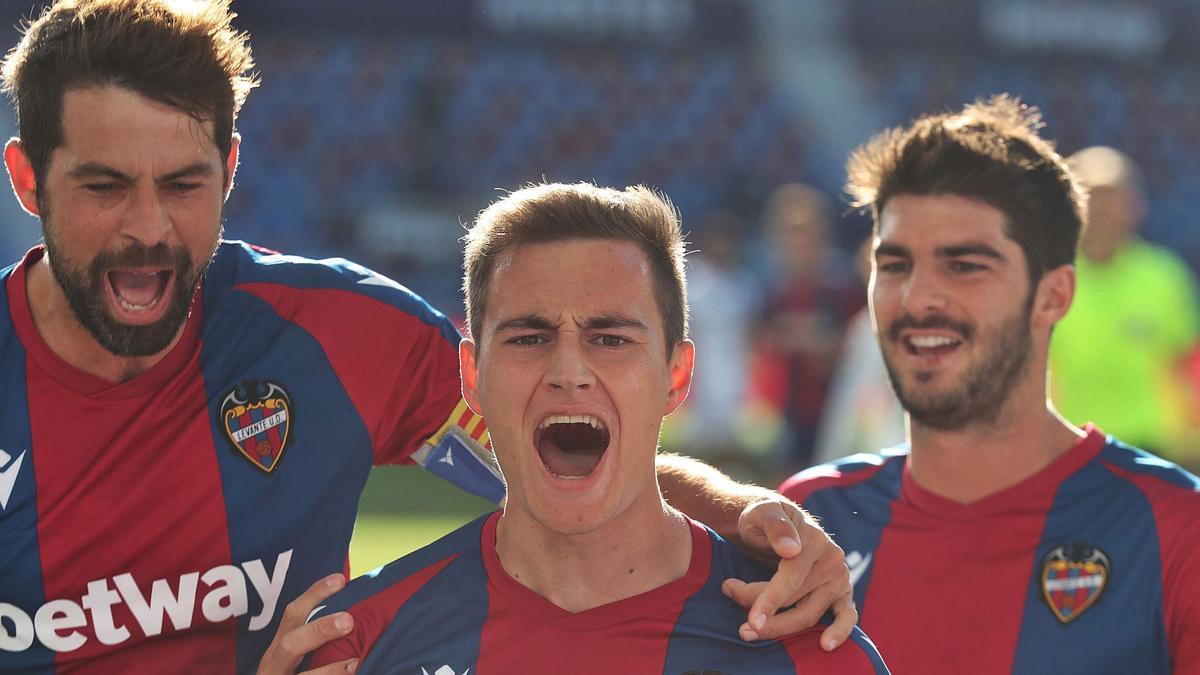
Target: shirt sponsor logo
[
  {"x": 257, "y": 418},
  {"x": 445, "y": 670},
  {"x": 9, "y": 470},
  {"x": 1073, "y": 578},
  {"x": 222, "y": 592}
]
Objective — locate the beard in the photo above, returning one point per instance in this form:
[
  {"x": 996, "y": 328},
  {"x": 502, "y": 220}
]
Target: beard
[
  {"x": 85, "y": 288},
  {"x": 979, "y": 396}
]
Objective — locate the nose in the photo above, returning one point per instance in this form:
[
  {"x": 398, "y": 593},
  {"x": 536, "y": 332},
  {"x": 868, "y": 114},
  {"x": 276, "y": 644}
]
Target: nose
[
  {"x": 146, "y": 220},
  {"x": 569, "y": 369},
  {"x": 924, "y": 293}
]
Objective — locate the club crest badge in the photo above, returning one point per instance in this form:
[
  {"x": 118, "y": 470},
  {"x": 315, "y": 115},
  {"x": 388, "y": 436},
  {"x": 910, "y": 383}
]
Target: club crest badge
[
  {"x": 1074, "y": 577},
  {"x": 257, "y": 418}
]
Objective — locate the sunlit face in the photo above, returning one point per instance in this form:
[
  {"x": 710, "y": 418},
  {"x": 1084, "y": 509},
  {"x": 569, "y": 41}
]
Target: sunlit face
[
  {"x": 131, "y": 209},
  {"x": 573, "y": 379},
  {"x": 950, "y": 297}
]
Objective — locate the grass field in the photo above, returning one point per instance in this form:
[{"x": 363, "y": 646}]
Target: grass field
[{"x": 404, "y": 508}]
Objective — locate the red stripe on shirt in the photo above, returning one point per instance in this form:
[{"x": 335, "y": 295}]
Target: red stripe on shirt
[
  {"x": 108, "y": 502},
  {"x": 361, "y": 336}
]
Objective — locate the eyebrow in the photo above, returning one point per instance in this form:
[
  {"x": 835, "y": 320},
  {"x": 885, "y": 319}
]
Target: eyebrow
[
  {"x": 960, "y": 250},
  {"x": 894, "y": 250},
  {"x": 601, "y": 322},
  {"x": 955, "y": 251},
  {"x": 97, "y": 170},
  {"x": 525, "y": 322},
  {"x": 615, "y": 321},
  {"x": 197, "y": 170}
]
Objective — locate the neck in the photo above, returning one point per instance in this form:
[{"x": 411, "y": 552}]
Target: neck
[
  {"x": 69, "y": 339},
  {"x": 636, "y": 552},
  {"x": 984, "y": 458}
]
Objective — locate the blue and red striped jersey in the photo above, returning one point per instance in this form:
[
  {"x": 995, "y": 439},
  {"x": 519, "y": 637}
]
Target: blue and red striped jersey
[
  {"x": 1087, "y": 566},
  {"x": 450, "y": 608},
  {"x": 163, "y": 523}
]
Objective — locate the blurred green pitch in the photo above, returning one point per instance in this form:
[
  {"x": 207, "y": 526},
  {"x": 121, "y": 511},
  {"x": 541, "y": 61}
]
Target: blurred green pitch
[{"x": 404, "y": 508}]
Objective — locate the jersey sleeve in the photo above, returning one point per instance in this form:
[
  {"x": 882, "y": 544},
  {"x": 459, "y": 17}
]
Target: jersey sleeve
[
  {"x": 372, "y": 602},
  {"x": 459, "y": 452},
  {"x": 1179, "y": 529},
  {"x": 341, "y": 649},
  {"x": 397, "y": 359},
  {"x": 426, "y": 420}
]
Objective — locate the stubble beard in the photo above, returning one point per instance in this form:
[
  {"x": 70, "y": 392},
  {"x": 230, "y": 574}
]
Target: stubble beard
[{"x": 979, "y": 397}]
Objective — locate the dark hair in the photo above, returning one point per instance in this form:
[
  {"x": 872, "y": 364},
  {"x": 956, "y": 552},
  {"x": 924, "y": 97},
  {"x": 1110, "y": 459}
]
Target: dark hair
[
  {"x": 182, "y": 53},
  {"x": 990, "y": 152},
  {"x": 557, "y": 212}
]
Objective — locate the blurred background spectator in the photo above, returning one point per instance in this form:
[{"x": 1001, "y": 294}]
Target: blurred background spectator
[
  {"x": 381, "y": 126},
  {"x": 1118, "y": 357},
  {"x": 861, "y": 412},
  {"x": 725, "y": 301},
  {"x": 812, "y": 291}
]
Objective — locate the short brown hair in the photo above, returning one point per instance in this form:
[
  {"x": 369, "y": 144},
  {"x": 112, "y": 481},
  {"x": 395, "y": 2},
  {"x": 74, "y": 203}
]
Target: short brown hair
[
  {"x": 185, "y": 54},
  {"x": 557, "y": 212},
  {"x": 991, "y": 152}
]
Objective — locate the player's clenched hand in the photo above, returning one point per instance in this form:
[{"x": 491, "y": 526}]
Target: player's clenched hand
[
  {"x": 812, "y": 575},
  {"x": 295, "y": 638}
]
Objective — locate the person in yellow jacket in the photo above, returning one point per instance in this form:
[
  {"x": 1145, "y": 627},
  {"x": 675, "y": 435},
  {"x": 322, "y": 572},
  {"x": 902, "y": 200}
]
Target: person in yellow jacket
[{"x": 1117, "y": 359}]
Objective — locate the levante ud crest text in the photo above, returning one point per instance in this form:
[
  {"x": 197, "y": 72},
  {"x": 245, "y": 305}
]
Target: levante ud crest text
[{"x": 256, "y": 416}]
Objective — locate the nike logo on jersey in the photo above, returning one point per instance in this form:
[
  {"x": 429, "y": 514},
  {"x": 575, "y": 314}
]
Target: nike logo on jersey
[
  {"x": 445, "y": 670},
  {"x": 858, "y": 565},
  {"x": 224, "y": 597},
  {"x": 8, "y": 475}
]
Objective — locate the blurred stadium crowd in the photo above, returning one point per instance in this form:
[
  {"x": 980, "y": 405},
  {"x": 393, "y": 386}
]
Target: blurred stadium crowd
[{"x": 380, "y": 127}]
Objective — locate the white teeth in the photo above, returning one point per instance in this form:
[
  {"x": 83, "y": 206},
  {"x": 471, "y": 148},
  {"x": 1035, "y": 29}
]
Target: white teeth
[
  {"x": 930, "y": 341},
  {"x": 571, "y": 419},
  {"x": 132, "y": 307}
]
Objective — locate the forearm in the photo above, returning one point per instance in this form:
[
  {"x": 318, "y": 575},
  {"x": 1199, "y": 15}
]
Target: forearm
[{"x": 707, "y": 495}]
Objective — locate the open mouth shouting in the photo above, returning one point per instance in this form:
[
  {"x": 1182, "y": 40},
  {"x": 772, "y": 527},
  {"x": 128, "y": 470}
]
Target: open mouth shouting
[
  {"x": 139, "y": 296},
  {"x": 571, "y": 446}
]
